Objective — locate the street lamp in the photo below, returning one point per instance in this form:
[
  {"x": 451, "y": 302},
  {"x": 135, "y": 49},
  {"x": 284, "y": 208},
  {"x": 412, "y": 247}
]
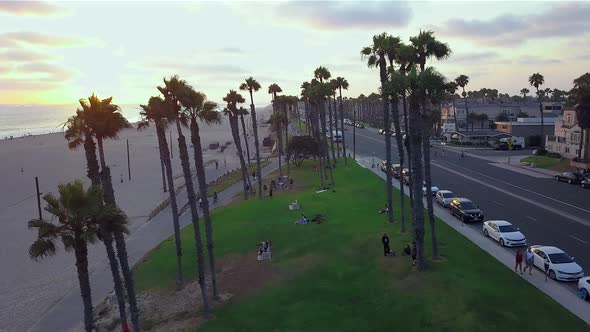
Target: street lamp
[{"x": 373, "y": 164}]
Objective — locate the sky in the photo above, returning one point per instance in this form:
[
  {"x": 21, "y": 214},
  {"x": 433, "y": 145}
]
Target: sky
[{"x": 58, "y": 52}]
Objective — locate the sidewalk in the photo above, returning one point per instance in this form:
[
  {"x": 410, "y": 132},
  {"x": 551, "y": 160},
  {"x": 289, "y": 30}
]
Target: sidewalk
[
  {"x": 66, "y": 315},
  {"x": 559, "y": 292}
]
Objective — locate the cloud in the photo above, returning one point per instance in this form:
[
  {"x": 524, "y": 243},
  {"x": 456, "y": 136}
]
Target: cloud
[
  {"x": 11, "y": 84},
  {"x": 333, "y": 15},
  {"x": 231, "y": 50},
  {"x": 563, "y": 20},
  {"x": 475, "y": 57},
  {"x": 44, "y": 71},
  {"x": 188, "y": 69},
  {"x": 29, "y": 8},
  {"x": 535, "y": 60},
  {"x": 22, "y": 55},
  {"x": 38, "y": 39}
]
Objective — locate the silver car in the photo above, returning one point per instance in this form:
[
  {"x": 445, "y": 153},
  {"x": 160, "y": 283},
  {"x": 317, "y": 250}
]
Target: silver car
[{"x": 444, "y": 197}]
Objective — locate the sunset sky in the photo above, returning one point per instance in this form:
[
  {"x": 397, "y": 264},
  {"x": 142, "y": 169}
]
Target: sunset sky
[{"x": 58, "y": 52}]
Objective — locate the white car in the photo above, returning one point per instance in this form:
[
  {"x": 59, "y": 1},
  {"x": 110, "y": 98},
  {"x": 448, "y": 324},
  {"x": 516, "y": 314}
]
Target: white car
[
  {"x": 504, "y": 232},
  {"x": 561, "y": 265},
  {"x": 433, "y": 189},
  {"x": 444, "y": 197},
  {"x": 584, "y": 288}
]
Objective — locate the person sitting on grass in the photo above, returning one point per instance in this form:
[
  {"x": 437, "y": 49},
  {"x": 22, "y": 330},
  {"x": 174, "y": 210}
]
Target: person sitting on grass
[
  {"x": 384, "y": 210},
  {"x": 301, "y": 221},
  {"x": 264, "y": 246},
  {"x": 407, "y": 250}
]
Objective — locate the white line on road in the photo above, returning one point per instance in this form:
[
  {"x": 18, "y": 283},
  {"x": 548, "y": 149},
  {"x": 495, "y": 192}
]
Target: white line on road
[
  {"x": 531, "y": 218},
  {"x": 578, "y": 239},
  {"x": 528, "y": 200},
  {"x": 521, "y": 188},
  {"x": 498, "y": 203}
]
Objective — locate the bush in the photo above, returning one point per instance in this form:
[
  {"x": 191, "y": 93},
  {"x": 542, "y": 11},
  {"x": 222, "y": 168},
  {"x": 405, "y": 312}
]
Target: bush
[
  {"x": 541, "y": 152},
  {"x": 553, "y": 155},
  {"x": 301, "y": 148}
]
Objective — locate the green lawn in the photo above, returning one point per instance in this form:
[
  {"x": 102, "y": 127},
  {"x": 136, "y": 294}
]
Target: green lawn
[
  {"x": 547, "y": 162},
  {"x": 335, "y": 278}
]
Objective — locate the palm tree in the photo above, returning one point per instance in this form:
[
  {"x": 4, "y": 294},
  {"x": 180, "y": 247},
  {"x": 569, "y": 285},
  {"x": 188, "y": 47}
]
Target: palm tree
[
  {"x": 427, "y": 46},
  {"x": 451, "y": 90},
  {"x": 198, "y": 108},
  {"x": 483, "y": 118},
  {"x": 159, "y": 113},
  {"x": 318, "y": 92},
  {"x": 77, "y": 212},
  {"x": 251, "y": 85},
  {"x": 547, "y": 92},
  {"x": 77, "y": 133},
  {"x": 273, "y": 90},
  {"x": 232, "y": 111},
  {"x": 537, "y": 80},
  {"x": 376, "y": 57},
  {"x": 105, "y": 121},
  {"x": 524, "y": 92},
  {"x": 322, "y": 74},
  {"x": 332, "y": 84},
  {"x": 173, "y": 91},
  {"x": 308, "y": 92},
  {"x": 579, "y": 96},
  {"x": 462, "y": 81},
  {"x": 342, "y": 83},
  {"x": 243, "y": 112}
]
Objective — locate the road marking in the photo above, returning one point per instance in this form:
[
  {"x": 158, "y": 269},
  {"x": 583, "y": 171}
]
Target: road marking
[
  {"x": 578, "y": 239},
  {"x": 498, "y": 203},
  {"x": 531, "y": 218},
  {"x": 521, "y": 188},
  {"x": 542, "y": 206}
]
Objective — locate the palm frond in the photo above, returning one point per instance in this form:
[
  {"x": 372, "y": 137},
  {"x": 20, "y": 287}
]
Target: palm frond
[{"x": 42, "y": 248}]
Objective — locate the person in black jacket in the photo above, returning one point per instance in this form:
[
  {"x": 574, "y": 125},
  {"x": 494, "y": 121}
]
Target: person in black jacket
[{"x": 385, "y": 241}]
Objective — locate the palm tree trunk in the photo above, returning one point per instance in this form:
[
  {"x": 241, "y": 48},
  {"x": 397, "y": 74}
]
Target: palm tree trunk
[
  {"x": 342, "y": 128},
  {"x": 336, "y": 127},
  {"x": 387, "y": 126},
  {"x": 325, "y": 145},
  {"x": 400, "y": 150},
  {"x": 91, "y": 161},
  {"x": 81, "y": 252},
  {"x": 409, "y": 152},
  {"x": 287, "y": 146},
  {"x": 199, "y": 165},
  {"x": 331, "y": 129},
  {"x": 165, "y": 155},
  {"x": 354, "y": 132},
  {"x": 314, "y": 114},
  {"x": 233, "y": 122},
  {"x": 192, "y": 200},
  {"x": 455, "y": 114},
  {"x": 108, "y": 243},
  {"x": 466, "y": 110},
  {"x": 256, "y": 145},
  {"x": 280, "y": 147},
  {"x": 164, "y": 188},
  {"x": 542, "y": 120},
  {"x": 428, "y": 179},
  {"x": 245, "y": 138},
  {"x": 109, "y": 198},
  {"x": 416, "y": 182}
]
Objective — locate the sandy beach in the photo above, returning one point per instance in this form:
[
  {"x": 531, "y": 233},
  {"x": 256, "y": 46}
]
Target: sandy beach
[{"x": 28, "y": 289}]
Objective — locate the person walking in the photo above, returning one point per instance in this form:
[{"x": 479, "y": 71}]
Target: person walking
[
  {"x": 546, "y": 268},
  {"x": 530, "y": 257},
  {"x": 518, "y": 261},
  {"x": 216, "y": 165},
  {"x": 385, "y": 241},
  {"x": 270, "y": 192}
]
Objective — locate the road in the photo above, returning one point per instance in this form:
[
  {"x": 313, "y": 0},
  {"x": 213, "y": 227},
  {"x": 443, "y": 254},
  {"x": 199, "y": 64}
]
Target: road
[{"x": 547, "y": 212}]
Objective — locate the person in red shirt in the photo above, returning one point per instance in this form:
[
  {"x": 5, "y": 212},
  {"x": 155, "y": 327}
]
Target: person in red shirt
[{"x": 518, "y": 261}]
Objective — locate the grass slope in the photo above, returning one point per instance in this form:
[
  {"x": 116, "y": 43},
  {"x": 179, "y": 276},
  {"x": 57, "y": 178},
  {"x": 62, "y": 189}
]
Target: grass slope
[
  {"x": 336, "y": 278},
  {"x": 555, "y": 164}
]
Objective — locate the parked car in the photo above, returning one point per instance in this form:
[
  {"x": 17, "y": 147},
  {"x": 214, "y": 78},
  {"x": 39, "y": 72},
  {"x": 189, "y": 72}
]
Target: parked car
[
  {"x": 570, "y": 177},
  {"x": 444, "y": 197},
  {"x": 383, "y": 165},
  {"x": 585, "y": 183},
  {"x": 433, "y": 189},
  {"x": 359, "y": 125},
  {"x": 381, "y": 131},
  {"x": 406, "y": 176},
  {"x": 504, "y": 232},
  {"x": 561, "y": 265},
  {"x": 465, "y": 210},
  {"x": 396, "y": 170},
  {"x": 584, "y": 288}
]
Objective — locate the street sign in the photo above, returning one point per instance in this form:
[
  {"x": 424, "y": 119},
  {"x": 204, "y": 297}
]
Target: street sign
[{"x": 510, "y": 144}]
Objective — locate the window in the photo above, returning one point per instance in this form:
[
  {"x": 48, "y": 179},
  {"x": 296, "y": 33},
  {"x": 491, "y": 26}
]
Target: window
[
  {"x": 567, "y": 149},
  {"x": 541, "y": 254},
  {"x": 548, "y": 108},
  {"x": 568, "y": 119},
  {"x": 575, "y": 137}
]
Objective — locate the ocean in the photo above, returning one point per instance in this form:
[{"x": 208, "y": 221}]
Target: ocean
[{"x": 20, "y": 120}]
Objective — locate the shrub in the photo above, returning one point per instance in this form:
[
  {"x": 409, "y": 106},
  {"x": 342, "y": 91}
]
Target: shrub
[
  {"x": 554, "y": 155},
  {"x": 541, "y": 152}
]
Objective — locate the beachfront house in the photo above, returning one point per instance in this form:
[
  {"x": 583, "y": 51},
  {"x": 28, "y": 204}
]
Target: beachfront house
[{"x": 565, "y": 138}]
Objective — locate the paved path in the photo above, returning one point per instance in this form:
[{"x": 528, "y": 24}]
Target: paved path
[
  {"x": 66, "y": 315},
  {"x": 564, "y": 295}
]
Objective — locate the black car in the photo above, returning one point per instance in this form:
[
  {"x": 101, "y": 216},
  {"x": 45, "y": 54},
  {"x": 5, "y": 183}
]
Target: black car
[
  {"x": 585, "y": 183},
  {"x": 570, "y": 177},
  {"x": 465, "y": 210}
]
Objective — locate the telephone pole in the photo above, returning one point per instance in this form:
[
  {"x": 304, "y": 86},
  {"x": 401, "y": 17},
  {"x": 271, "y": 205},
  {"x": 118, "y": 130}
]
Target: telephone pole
[
  {"x": 128, "y": 160},
  {"x": 38, "y": 198}
]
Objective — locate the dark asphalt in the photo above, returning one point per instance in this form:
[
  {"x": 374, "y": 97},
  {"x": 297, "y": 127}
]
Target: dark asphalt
[{"x": 552, "y": 225}]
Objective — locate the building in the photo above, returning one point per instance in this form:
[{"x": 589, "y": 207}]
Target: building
[
  {"x": 566, "y": 136},
  {"x": 529, "y": 128},
  {"x": 486, "y": 137}
]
